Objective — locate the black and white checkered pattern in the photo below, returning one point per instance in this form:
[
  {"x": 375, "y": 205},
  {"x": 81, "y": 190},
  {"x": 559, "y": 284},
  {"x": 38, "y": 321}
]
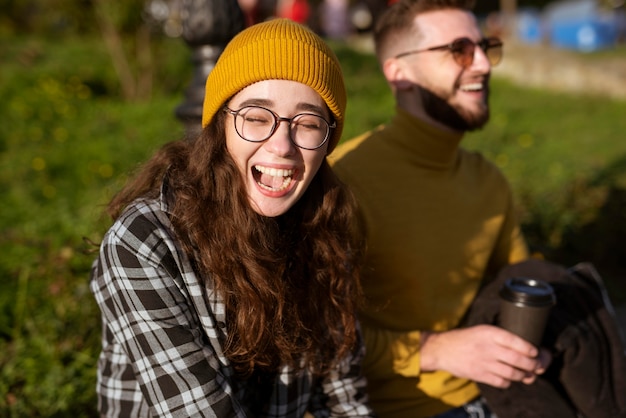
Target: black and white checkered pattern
[{"x": 163, "y": 331}]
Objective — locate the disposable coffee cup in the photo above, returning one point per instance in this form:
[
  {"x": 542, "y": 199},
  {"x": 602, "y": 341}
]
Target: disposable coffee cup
[{"x": 525, "y": 305}]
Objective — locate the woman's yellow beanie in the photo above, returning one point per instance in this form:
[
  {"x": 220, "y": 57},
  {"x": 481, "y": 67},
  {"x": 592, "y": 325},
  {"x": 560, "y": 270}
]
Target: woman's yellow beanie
[{"x": 277, "y": 49}]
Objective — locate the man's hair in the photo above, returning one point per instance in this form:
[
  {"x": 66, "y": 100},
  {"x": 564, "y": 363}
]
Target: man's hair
[{"x": 396, "y": 21}]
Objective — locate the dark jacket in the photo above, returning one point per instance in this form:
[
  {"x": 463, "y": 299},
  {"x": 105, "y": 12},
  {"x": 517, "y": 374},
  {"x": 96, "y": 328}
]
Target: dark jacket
[{"x": 587, "y": 377}]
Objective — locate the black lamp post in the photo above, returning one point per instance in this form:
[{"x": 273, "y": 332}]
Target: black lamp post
[{"x": 207, "y": 26}]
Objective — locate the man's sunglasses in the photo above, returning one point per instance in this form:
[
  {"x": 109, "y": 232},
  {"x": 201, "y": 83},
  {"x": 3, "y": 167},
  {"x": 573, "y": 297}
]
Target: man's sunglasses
[{"x": 463, "y": 49}]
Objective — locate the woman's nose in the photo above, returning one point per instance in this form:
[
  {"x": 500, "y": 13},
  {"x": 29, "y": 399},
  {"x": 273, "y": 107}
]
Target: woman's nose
[{"x": 280, "y": 142}]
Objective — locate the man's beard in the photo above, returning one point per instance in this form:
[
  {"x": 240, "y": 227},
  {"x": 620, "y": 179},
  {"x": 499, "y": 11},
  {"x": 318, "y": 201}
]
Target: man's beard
[{"x": 438, "y": 108}]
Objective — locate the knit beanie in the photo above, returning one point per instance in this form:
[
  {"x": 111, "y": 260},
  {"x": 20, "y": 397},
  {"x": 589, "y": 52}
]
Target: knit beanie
[{"x": 277, "y": 49}]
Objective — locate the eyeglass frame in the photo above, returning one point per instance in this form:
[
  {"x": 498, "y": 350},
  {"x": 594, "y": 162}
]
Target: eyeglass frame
[
  {"x": 484, "y": 45},
  {"x": 277, "y": 120}
]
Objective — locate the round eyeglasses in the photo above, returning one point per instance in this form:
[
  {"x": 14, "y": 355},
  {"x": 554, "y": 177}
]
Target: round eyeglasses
[
  {"x": 257, "y": 124},
  {"x": 463, "y": 49}
]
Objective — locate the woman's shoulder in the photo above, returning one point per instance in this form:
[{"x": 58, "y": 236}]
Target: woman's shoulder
[
  {"x": 142, "y": 223},
  {"x": 142, "y": 208},
  {"x": 144, "y": 232}
]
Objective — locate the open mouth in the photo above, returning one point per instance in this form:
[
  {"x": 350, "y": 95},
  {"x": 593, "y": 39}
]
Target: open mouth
[
  {"x": 472, "y": 87},
  {"x": 272, "y": 179}
]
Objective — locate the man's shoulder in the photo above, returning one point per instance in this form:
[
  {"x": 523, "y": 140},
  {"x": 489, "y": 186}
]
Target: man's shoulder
[
  {"x": 477, "y": 158},
  {"x": 346, "y": 147},
  {"x": 354, "y": 146},
  {"x": 480, "y": 165}
]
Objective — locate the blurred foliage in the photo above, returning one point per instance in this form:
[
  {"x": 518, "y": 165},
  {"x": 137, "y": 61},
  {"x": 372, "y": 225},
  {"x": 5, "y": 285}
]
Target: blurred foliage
[
  {"x": 62, "y": 17},
  {"x": 370, "y": 102},
  {"x": 68, "y": 140},
  {"x": 126, "y": 28},
  {"x": 66, "y": 143},
  {"x": 77, "y": 16}
]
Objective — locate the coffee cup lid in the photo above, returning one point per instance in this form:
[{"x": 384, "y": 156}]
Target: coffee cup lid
[{"x": 528, "y": 291}]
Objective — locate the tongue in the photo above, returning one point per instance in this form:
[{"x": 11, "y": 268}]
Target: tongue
[{"x": 275, "y": 182}]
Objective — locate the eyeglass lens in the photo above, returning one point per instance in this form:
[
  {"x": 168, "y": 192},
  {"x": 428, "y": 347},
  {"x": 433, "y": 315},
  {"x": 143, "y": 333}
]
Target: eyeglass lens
[
  {"x": 463, "y": 50},
  {"x": 256, "y": 124}
]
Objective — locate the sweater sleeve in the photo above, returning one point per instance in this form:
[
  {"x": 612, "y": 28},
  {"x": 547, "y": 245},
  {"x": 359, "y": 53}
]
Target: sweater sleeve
[{"x": 391, "y": 353}]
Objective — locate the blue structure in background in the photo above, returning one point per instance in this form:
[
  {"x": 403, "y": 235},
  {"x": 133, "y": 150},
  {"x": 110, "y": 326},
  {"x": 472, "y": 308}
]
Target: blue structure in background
[
  {"x": 577, "y": 24},
  {"x": 530, "y": 26},
  {"x": 587, "y": 34}
]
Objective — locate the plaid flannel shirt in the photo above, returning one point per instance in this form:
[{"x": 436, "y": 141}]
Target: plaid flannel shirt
[{"x": 163, "y": 332}]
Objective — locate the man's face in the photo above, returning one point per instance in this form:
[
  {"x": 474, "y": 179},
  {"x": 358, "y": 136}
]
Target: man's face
[{"x": 454, "y": 96}]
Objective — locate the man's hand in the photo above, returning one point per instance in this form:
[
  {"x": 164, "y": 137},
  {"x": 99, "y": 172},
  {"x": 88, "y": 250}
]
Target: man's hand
[{"x": 485, "y": 354}]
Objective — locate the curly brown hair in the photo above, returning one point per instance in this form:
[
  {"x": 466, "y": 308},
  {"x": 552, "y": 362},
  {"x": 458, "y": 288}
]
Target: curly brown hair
[{"x": 290, "y": 284}]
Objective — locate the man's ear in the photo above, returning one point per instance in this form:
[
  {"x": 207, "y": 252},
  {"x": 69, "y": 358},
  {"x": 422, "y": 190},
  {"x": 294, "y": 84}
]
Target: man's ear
[{"x": 394, "y": 71}]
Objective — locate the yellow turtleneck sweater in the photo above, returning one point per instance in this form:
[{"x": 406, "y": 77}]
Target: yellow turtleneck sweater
[{"x": 439, "y": 219}]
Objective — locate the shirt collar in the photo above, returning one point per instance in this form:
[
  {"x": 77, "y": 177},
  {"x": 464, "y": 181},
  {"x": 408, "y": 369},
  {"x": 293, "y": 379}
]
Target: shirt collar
[{"x": 166, "y": 196}]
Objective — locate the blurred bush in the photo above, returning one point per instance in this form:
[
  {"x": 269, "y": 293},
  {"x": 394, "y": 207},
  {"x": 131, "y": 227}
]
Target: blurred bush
[
  {"x": 67, "y": 140},
  {"x": 63, "y": 17}
]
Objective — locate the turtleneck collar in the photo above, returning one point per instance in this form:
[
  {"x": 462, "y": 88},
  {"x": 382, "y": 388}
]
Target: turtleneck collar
[{"x": 428, "y": 145}]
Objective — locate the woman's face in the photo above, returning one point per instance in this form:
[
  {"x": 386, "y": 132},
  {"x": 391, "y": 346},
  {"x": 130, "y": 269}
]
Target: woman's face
[{"x": 276, "y": 172}]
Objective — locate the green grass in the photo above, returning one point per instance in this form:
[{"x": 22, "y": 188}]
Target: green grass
[{"x": 67, "y": 142}]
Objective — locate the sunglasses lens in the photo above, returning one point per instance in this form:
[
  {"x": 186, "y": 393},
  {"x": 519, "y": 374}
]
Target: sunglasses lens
[
  {"x": 463, "y": 51},
  {"x": 493, "y": 50}
]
